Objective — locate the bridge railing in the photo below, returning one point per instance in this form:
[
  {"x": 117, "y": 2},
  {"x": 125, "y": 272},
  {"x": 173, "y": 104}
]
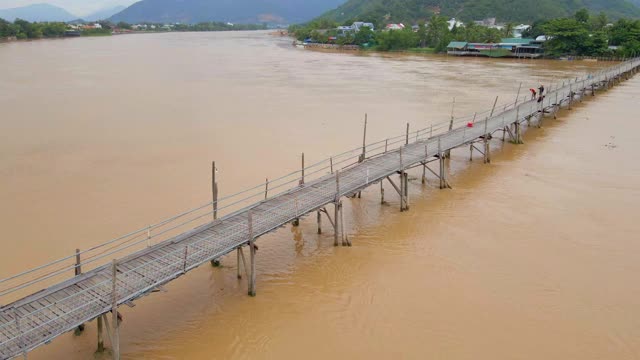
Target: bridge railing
[{"x": 30, "y": 281}]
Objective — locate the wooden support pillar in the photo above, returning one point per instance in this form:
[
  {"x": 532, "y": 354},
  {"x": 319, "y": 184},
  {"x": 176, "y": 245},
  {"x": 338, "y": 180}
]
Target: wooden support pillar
[
  {"x": 302, "y": 171},
  {"x": 487, "y": 152},
  {"x": 407, "y": 136},
  {"x": 252, "y": 252},
  {"x": 336, "y": 205},
  {"x": 336, "y": 225},
  {"x": 266, "y": 188},
  {"x": 77, "y": 270},
  {"x": 518, "y": 133},
  {"x": 381, "y": 192},
  {"x": 100, "y": 348},
  {"x": 406, "y": 190},
  {"x": 241, "y": 258},
  {"x": 114, "y": 312},
  {"x": 485, "y": 138},
  {"x": 447, "y": 153},
  {"x": 214, "y": 190},
  {"x": 344, "y": 237},
  {"x": 441, "y": 158},
  {"x": 471, "y": 152},
  {"x": 364, "y": 141},
  {"x": 319, "y": 222},
  {"x": 402, "y": 191}
]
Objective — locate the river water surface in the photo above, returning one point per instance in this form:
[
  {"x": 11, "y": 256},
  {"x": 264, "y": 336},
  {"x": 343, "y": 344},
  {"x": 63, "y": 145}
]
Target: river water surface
[{"x": 534, "y": 256}]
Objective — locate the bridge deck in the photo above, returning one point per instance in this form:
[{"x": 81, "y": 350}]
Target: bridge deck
[{"x": 42, "y": 316}]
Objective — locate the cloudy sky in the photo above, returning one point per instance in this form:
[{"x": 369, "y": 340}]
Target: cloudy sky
[{"x": 76, "y": 7}]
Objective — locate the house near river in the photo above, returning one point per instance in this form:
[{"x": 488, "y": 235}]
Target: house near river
[{"x": 510, "y": 47}]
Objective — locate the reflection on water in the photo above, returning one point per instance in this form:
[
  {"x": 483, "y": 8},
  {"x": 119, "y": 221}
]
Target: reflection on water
[{"x": 531, "y": 257}]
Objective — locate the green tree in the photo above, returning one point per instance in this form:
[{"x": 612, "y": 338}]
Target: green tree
[
  {"x": 364, "y": 36},
  {"x": 582, "y": 16},
  {"x": 508, "y": 29},
  {"x": 438, "y": 35}
]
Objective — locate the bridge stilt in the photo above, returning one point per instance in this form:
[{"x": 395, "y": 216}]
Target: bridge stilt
[
  {"x": 443, "y": 181},
  {"x": 402, "y": 191},
  {"x": 252, "y": 252},
  {"x": 319, "y": 222},
  {"x": 345, "y": 238},
  {"x": 487, "y": 150},
  {"x": 336, "y": 224},
  {"x": 405, "y": 178},
  {"x": 241, "y": 259},
  {"x": 518, "y": 134},
  {"x": 115, "y": 338},
  {"x": 381, "y": 192},
  {"x": 100, "y": 348}
]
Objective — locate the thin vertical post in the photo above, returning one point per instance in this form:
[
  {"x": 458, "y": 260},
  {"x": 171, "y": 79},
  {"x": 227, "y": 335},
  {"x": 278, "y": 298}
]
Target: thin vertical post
[
  {"x": 518, "y": 96},
  {"x": 364, "y": 140},
  {"x": 442, "y": 168},
  {"x": 424, "y": 165},
  {"x": 570, "y": 95},
  {"x": 100, "y": 336},
  {"x": 331, "y": 164},
  {"x": 252, "y": 248},
  {"x": 302, "y": 180},
  {"x": 184, "y": 259},
  {"x": 494, "y": 107},
  {"x": 78, "y": 268},
  {"x": 114, "y": 311},
  {"x": 238, "y": 272},
  {"x": 214, "y": 190},
  {"x": 407, "y": 136},
  {"x": 345, "y": 239},
  {"x": 319, "y": 222},
  {"x": 149, "y": 236},
  {"x": 382, "y": 191},
  {"x": 336, "y": 225},
  {"x": 336, "y": 209},
  {"x": 516, "y": 124},
  {"x": 453, "y": 106},
  {"x": 402, "y": 190},
  {"x": 266, "y": 188}
]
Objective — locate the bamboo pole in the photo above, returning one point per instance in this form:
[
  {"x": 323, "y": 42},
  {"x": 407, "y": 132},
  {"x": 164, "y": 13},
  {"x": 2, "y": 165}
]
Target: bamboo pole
[
  {"x": 214, "y": 190},
  {"x": 252, "y": 252}
]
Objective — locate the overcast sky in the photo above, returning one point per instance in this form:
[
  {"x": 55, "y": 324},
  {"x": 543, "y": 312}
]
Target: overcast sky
[{"x": 76, "y": 7}]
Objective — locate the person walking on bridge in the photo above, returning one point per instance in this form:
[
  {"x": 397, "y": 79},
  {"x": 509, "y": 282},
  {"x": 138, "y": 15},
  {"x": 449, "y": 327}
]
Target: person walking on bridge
[
  {"x": 541, "y": 89},
  {"x": 533, "y": 93}
]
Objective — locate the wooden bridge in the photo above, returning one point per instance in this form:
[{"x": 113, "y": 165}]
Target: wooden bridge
[{"x": 150, "y": 257}]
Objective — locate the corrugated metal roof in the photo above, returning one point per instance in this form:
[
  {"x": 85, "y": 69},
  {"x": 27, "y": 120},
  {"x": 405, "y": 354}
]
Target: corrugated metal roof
[
  {"x": 516, "y": 41},
  {"x": 457, "y": 44}
]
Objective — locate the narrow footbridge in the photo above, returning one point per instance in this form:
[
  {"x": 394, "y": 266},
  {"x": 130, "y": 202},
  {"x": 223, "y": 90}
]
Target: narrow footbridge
[{"x": 50, "y": 300}]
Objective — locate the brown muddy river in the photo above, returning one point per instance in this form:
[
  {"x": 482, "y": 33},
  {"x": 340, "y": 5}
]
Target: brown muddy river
[{"x": 534, "y": 256}]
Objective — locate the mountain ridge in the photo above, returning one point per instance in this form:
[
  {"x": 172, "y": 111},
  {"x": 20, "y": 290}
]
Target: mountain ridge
[
  {"x": 236, "y": 11},
  {"x": 37, "y": 13},
  {"x": 504, "y": 10}
]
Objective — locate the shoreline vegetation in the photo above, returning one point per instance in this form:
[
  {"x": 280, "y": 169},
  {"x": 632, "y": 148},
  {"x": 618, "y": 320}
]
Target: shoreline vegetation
[
  {"x": 25, "y": 30},
  {"x": 583, "y": 35}
]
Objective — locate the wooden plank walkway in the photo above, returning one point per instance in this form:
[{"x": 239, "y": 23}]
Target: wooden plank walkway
[{"x": 38, "y": 318}]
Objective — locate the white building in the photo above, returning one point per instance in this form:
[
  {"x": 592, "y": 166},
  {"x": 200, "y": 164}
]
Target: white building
[
  {"x": 518, "y": 30},
  {"x": 453, "y": 22}
]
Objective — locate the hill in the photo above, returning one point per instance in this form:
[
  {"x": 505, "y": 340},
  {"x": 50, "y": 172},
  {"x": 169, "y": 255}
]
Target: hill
[
  {"x": 410, "y": 11},
  {"x": 235, "y": 11},
  {"x": 104, "y": 13},
  {"x": 37, "y": 12}
]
